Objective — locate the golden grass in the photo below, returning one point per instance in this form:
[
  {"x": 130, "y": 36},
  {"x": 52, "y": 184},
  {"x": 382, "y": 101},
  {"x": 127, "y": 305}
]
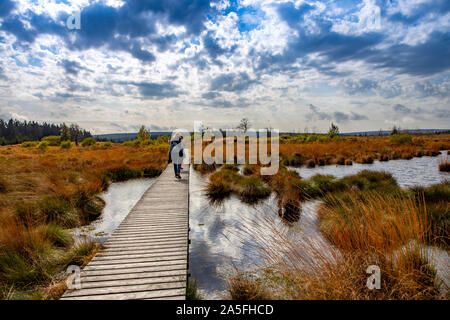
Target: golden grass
[
  {"x": 386, "y": 231},
  {"x": 371, "y": 221},
  {"x": 362, "y": 149},
  {"x": 45, "y": 190},
  {"x": 29, "y": 174}
]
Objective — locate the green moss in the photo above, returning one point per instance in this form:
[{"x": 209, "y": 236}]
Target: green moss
[
  {"x": 56, "y": 234},
  {"x": 253, "y": 189},
  {"x": 58, "y": 210},
  {"x": 192, "y": 292},
  {"x": 89, "y": 205},
  {"x": 151, "y": 172},
  {"x": 228, "y": 180},
  {"x": 372, "y": 180},
  {"x": 124, "y": 173}
]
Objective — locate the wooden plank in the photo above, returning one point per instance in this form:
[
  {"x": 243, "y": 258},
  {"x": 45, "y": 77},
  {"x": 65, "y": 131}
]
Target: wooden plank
[
  {"x": 123, "y": 289},
  {"x": 139, "y": 275},
  {"x": 150, "y": 246},
  {"x": 145, "y": 230},
  {"x": 154, "y": 239},
  {"x": 149, "y": 234},
  {"x": 142, "y": 269},
  {"x": 133, "y": 282},
  {"x": 139, "y": 260},
  {"x": 147, "y": 247},
  {"x": 173, "y": 251},
  {"x": 132, "y": 295}
]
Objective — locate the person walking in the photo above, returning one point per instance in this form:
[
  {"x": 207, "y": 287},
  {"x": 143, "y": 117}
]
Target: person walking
[{"x": 176, "y": 153}]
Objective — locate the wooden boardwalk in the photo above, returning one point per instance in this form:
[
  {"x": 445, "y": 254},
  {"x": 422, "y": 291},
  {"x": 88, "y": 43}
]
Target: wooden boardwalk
[{"x": 147, "y": 255}]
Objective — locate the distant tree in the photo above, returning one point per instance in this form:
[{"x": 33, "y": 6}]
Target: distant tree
[
  {"x": 88, "y": 142},
  {"x": 333, "y": 131},
  {"x": 144, "y": 134},
  {"x": 65, "y": 133},
  {"x": 244, "y": 125},
  {"x": 14, "y": 131},
  {"x": 395, "y": 130},
  {"x": 76, "y": 134}
]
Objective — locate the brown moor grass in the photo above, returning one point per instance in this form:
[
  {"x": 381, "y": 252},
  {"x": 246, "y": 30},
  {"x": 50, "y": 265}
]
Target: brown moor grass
[
  {"x": 386, "y": 231},
  {"x": 42, "y": 192},
  {"x": 358, "y": 149}
]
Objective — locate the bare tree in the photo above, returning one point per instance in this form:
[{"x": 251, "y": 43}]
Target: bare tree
[{"x": 244, "y": 125}]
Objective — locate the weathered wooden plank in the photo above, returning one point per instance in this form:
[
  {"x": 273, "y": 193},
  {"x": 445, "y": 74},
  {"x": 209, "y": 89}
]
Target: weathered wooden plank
[
  {"x": 166, "y": 252},
  {"x": 149, "y": 233},
  {"x": 128, "y": 289},
  {"x": 132, "y": 295},
  {"x": 154, "y": 239},
  {"x": 133, "y": 265},
  {"x": 132, "y": 282},
  {"x": 139, "y": 260},
  {"x": 145, "y": 230},
  {"x": 147, "y": 247},
  {"x": 142, "y": 269},
  {"x": 138, "y": 275}
]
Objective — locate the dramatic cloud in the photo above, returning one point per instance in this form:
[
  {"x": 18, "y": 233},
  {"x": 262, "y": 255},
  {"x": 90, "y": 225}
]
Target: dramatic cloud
[
  {"x": 232, "y": 82},
  {"x": 368, "y": 64},
  {"x": 157, "y": 90}
]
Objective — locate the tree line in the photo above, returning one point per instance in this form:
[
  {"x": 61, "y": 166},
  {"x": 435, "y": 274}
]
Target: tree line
[{"x": 14, "y": 131}]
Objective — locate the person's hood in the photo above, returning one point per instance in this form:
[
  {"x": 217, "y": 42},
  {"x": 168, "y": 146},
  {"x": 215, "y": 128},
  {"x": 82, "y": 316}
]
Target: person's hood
[{"x": 175, "y": 138}]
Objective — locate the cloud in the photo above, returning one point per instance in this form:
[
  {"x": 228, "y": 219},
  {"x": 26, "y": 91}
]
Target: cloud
[
  {"x": 423, "y": 59},
  {"x": 210, "y": 95},
  {"x": 338, "y": 116},
  {"x": 196, "y": 54},
  {"x": 232, "y": 82},
  {"x": 316, "y": 114},
  {"x": 71, "y": 67},
  {"x": 361, "y": 86},
  {"x": 211, "y": 46},
  {"x": 2, "y": 74},
  {"x": 418, "y": 11},
  {"x": 429, "y": 89},
  {"x": 150, "y": 90}
]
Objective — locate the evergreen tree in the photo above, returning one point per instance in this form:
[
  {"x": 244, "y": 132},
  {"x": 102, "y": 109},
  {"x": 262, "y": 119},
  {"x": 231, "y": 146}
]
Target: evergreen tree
[
  {"x": 333, "y": 131},
  {"x": 65, "y": 133},
  {"x": 14, "y": 131},
  {"x": 76, "y": 134}
]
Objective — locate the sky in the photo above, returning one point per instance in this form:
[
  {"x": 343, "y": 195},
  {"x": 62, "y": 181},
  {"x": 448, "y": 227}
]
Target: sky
[{"x": 288, "y": 65}]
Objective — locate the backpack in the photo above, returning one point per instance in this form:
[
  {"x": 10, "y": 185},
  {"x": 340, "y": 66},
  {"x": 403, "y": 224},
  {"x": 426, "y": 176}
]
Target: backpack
[{"x": 172, "y": 145}]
